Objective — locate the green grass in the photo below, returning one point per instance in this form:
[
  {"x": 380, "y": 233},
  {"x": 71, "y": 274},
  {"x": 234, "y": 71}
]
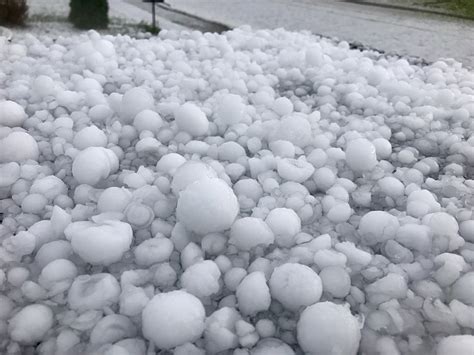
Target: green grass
[{"x": 463, "y": 8}]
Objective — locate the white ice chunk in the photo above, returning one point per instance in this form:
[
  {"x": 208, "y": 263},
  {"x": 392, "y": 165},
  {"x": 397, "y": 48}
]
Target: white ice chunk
[
  {"x": 285, "y": 225},
  {"x": 31, "y": 324},
  {"x": 100, "y": 244},
  {"x": 93, "y": 292},
  {"x": 249, "y": 232},
  {"x": 328, "y": 328},
  {"x": 191, "y": 119},
  {"x": 94, "y": 164},
  {"x": 253, "y": 294},
  {"x": 207, "y": 205},
  {"x": 295, "y": 285},
  {"x": 11, "y": 114},
  {"x": 172, "y": 319},
  {"x": 17, "y": 147},
  {"x": 361, "y": 155}
]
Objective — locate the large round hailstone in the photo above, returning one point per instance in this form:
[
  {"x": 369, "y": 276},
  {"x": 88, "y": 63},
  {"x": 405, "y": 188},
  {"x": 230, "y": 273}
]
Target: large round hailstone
[
  {"x": 328, "y": 328},
  {"x": 134, "y": 101},
  {"x": 94, "y": 164},
  {"x": 191, "y": 119},
  {"x": 93, "y": 292},
  {"x": 377, "y": 227},
  {"x": 295, "y": 285},
  {"x": 172, "y": 319},
  {"x": 295, "y": 129},
  {"x": 285, "y": 224},
  {"x": 207, "y": 206},
  {"x": 100, "y": 244},
  {"x": 31, "y": 324},
  {"x": 18, "y": 147},
  {"x": 190, "y": 172},
  {"x": 230, "y": 109},
  {"x": 361, "y": 155},
  {"x": 249, "y": 232},
  {"x": 463, "y": 289},
  {"x": 11, "y": 114},
  {"x": 89, "y": 137},
  {"x": 456, "y": 345}
]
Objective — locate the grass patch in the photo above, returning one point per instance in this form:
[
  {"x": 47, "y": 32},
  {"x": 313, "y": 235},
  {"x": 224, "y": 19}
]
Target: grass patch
[{"x": 464, "y": 8}]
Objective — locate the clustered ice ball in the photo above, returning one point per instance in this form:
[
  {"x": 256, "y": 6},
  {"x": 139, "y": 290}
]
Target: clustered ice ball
[
  {"x": 221, "y": 204},
  {"x": 172, "y": 319}
]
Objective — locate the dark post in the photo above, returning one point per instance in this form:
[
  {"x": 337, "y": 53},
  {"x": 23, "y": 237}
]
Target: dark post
[{"x": 153, "y": 12}]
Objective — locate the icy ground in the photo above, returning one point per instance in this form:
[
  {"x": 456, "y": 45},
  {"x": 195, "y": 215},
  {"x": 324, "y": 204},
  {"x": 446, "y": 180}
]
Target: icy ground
[
  {"x": 256, "y": 192},
  {"x": 395, "y": 31}
]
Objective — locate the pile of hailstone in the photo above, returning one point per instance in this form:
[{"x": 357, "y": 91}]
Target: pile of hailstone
[{"x": 255, "y": 192}]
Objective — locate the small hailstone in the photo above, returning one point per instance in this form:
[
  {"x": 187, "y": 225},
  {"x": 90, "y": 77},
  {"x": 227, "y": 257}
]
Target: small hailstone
[
  {"x": 285, "y": 225},
  {"x": 378, "y": 226},
  {"x": 11, "y": 114},
  {"x": 94, "y": 164},
  {"x": 328, "y": 328},
  {"x": 90, "y": 137},
  {"x": 220, "y": 333},
  {"x": 132, "y": 300},
  {"x": 31, "y": 324},
  {"x": 169, "y": 163},
  {"x": 100, "y": 244},
  {"x": 361, "y": 155},
  {"x": 283, "y": 106},
  {"x": 114, "y": 199},
  {"x": 456, "y": 344},
  {"x": 89, "y": 292},
  {"x": 298, "y": 170},
  {"x": 201, "y": 279},
  {"x": 272, "y": 346},
  {"x": 58, "y": 273},
  {"x": 112, "y": 328},
  {"x": 253, "y": 294},
  {"x": 391, "y": 186},
  {"x": 295, "y": 129},
  {"x": 172, "y": 319},
  {"x": 207, "y": 205},
  {"x": 336, "y": 281},
  {"x": 295, "y": 285},
  {"x": 190, "y": 172},
  {"x": 152, "y": 251},
  {"x": 191, "y": 119},
  {"x": 10, "y": 173},
  {"x": 462, "y": 289},
  {"x": 230, "y": 109},
  {"x": 134, "y": 101},
  {"x": 17, "y": 147},
  {"x": 249, "y": 232},
  {"x": 148, "y": 120}
]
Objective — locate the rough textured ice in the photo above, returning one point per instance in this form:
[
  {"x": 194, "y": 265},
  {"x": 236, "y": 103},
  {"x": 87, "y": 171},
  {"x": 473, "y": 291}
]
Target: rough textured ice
[{"x": 172, "y": 319}]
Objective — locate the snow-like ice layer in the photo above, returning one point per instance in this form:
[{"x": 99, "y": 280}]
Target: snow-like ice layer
[{"x": 258, "y": 174}]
